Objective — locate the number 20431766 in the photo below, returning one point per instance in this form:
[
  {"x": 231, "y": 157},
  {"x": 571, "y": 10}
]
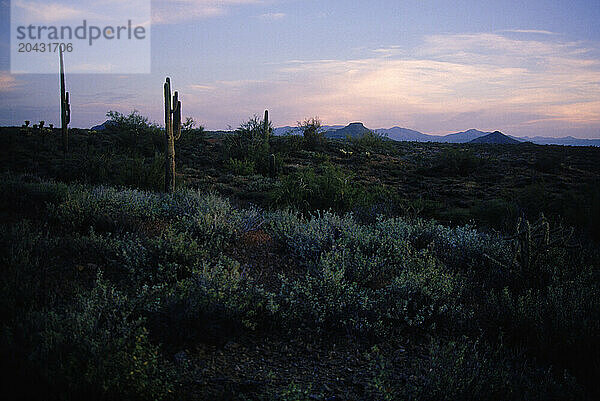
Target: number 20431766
[{"x": 49, "y": 47}]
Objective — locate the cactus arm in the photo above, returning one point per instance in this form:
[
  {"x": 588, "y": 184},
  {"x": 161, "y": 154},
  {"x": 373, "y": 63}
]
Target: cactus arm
[
  {"x": 67, "y": 109},
  {"x": 167, "y": 106},
  {"x": 176, "y": 116}
]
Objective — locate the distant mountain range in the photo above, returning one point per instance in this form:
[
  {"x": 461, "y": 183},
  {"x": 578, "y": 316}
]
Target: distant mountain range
[
  {"x": 405, "y": 134},
  {"x": 356, "y": 129}
]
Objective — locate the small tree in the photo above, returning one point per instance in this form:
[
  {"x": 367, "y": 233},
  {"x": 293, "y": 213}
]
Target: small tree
[
  {"x": 134, "y": 123},
  {"x": 134, "y": 131},
  {"x": 314, "y": 135},
  {"x": 251, "y": 142},
  {"x": 189, "y": 125}
]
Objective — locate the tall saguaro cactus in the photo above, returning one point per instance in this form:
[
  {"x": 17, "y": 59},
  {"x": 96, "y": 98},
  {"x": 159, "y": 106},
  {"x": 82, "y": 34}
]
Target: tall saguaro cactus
[
  {"x": 65, "y": 106},
  {"x": 266, "y": 123},
  {"x": 172, "y": 133}
]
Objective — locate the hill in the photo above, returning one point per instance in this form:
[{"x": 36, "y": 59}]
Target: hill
[
  {"x": 405, "y": 134},
  {"x": 101, "y": 127},
  {"x": 353, "y": 130},
  {"x": 495, "y": 137},
  {"x": 463, "y": 137}
]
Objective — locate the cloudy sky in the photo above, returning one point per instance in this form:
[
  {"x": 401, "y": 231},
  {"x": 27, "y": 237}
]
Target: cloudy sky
[{"x": 522, "y": 67}]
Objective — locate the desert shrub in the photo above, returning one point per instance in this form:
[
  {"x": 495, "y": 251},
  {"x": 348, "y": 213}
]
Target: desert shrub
[
  {"x": 498, "y": 213},
  {"x": 583, "y": 210},
  {"x": 558, "y": 324},
  {"x": 206, "y": 216},
  {"x": 423, "y": 297},
  {"x": 313, "y": 134},
  {"x": 213, "y": 222},
  {"x": 174, "y": 255},
  {"x": 366, "y": 269},
  {"x": 374, "y": 201},
  {"x": 325, "y": 304},
  {"x": 250, "y": 142},
  {"x": 109, "y": 209},
  {"x": 134, "y": 123},
  {"x": 391, "y": 289},
  {"x": 329, "y": 187},
  {"x": 191, "y": 133},
  {"x": 146, "y": 173},
  {"x": 217, "y": 302},
  {"x": 98, "y": 348},
  {"x": 297, "y": 392},
  {"x": 463, "y": 250},
  {"x": 166, "y": 281},
  {"x": 30, "y": 193},
  {"x": 307, "y": 239},
  {"x": 287, "y": 144},
  {"x": 464, "y": 369},
  {"x": 25, "y": 278},
  {"x": 240, "y": 167},
  {"x": 133, "y": 261},
  {"x": 548, "y": 163},
  {"x": 533, "y": 199},
  {"x": 325, "y": 301},
  {"x": 370, "y": 141},
  {"x": 134, "y": 132},
  {"x": 456, "y": 162}
]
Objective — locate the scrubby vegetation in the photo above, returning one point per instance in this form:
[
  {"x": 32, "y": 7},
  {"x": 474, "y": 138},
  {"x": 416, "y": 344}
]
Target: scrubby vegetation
[{"x": 328, "y": 278}]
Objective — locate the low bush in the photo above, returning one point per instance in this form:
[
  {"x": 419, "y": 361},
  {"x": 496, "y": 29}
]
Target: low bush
[
  {"x": 470, "y": 370},
  {"x": 328, "y": 187},
  {"x": 240, "y": 167}
]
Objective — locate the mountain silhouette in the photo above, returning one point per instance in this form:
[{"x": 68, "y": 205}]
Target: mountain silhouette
[
  {"x": 353, "y": 130},
  {"x": 495, "y": 137}
]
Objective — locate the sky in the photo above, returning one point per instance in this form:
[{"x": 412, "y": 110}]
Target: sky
[{"x": 526, "y": 68}]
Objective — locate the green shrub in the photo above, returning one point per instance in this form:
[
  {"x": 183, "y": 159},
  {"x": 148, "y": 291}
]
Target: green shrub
[
  {"x": 314, "y": 136},
  {"x": 456, "y": 162},
  {"x": 97, "y": 349},
  {"x": 250, "y": 142},
  {"x": 214, "y": 304},
  {"x": 467, "y": 369},
  {"x": 30, "y": 194},
  {"x": 325, "y": 304},
  {"x": 329, "y": 187},
  {"x": 134, "y": 132},
  {"x": 558, "y": 324},
  {"x": 240, "y": 167},
  {"x": 370, "y": 141}
]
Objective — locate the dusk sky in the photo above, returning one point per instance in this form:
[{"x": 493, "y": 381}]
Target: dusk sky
[{"x": 525, "y": 68}]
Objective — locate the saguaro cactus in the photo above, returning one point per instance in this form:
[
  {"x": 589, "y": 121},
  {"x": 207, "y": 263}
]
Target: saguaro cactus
[
  {"x": 172, "y": 134},
  {"x": 266, "y": 123},
  {"x": 65, "y": 106}
]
